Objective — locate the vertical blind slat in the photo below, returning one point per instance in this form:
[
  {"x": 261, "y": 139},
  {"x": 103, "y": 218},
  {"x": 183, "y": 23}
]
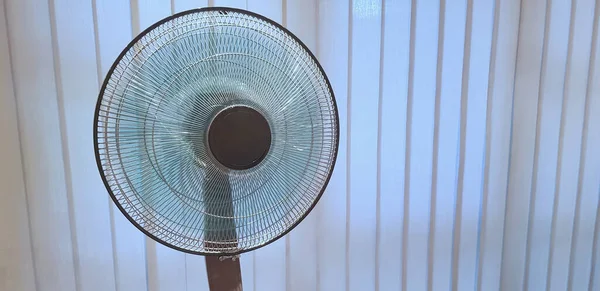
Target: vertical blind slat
[
  {"x": 408, "y": 144},
  {"x": 76, "y": 59},
  {"x": 379, "y": 135},
  {"x": 366, "y": 15},
  {"x": 509, "y": 17},
  {"x": 586, "y": 254},
  {"x": 433, "y": 208},
  {"x": 522, "y": 142},
  {"x": 16, "y": 258},
  {"x": 421, "y": 141},
  {"x": 333, "y": 55},
  {"x": 479, "y": 52},
  {"x": 394, "y": 82},
  {"x": 449, "y": 114},
  {"x": 483, "y": 212},
  {"x": 460, "y": 183}
]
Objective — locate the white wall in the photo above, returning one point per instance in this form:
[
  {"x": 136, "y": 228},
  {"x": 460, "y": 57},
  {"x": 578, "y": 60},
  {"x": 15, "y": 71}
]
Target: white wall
[{"x": 468, "y": 159}]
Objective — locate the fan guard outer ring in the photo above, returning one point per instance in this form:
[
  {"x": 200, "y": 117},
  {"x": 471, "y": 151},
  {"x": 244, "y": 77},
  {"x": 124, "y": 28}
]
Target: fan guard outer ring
[{"x": 111, "y": 71}]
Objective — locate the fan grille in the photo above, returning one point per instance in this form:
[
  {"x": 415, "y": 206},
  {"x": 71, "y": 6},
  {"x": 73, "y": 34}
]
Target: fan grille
[{"x": 151, "y": 124}]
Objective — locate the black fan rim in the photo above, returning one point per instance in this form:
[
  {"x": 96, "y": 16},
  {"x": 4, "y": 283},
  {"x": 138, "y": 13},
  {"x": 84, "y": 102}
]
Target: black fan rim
[{"x": 99, "y": 102}]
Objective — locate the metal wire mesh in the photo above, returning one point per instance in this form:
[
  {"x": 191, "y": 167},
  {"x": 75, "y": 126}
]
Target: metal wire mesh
[{"x": 151, "y": 125}]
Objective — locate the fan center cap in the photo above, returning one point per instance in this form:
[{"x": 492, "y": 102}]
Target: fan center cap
[{"x": 239, "y": 137}]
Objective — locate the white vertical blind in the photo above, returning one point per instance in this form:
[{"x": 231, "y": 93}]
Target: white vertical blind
[
  {"x": 41, "y": 132},
  {"x": 362, "y": 141},
  {"x": 16, "y": 259},
  {"x": 395, "y": 46},
  {"x": 468, "y": 159},
  {"x": 332, "y": 229},
  {"x": 75, "y": 59}
]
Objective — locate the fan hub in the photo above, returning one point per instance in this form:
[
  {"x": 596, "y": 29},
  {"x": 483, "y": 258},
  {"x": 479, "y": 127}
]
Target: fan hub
[{"x": 239, "y": 137}]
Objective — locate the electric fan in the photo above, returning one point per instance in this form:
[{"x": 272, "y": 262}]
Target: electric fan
[{"x": 216, "y": 133}]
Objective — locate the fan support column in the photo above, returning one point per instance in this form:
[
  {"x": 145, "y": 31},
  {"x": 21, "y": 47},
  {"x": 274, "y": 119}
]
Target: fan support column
[{"x": 224, "y": 274}]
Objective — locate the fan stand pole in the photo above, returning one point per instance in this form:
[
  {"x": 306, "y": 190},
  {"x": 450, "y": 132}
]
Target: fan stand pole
[{"x": 224, "y": 273}]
